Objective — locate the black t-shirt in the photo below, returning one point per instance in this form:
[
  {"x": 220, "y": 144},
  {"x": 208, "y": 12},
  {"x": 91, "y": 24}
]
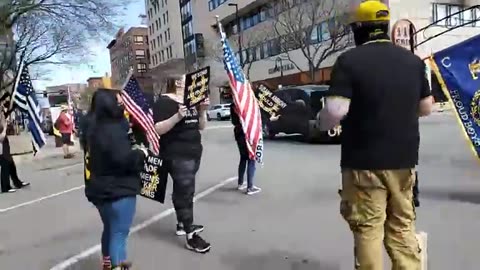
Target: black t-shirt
[
  {"x": 385, "y": 84},
  {"x": 184, "y": 139}
]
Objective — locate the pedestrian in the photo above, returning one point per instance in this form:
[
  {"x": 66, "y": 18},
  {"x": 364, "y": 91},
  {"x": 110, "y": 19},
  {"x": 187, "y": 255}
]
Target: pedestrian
[
  {"x": 378, "y": 91},
  {"x": 111, "y": 173},
  {"x": 245, "y": 161},
  {"x": 8, "y": 168},
  {"x": 64, "y": 124},
  {"x": 181, "y": 151}
]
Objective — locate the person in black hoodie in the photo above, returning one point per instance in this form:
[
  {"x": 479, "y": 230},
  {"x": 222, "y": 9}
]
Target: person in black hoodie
[
  {"x": 111, "y": 172},
  {"x": 181, "y": 150},
  {"x": 245, "y": 160}
]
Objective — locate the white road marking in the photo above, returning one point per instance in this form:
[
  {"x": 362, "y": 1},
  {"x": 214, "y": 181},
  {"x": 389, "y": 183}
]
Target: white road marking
[
  {"x": 72, "y": 189},
  {"x": 88, "y": 252},
  {"x": 40, "y": 199}
]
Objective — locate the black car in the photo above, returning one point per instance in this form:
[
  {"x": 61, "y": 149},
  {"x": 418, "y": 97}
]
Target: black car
[{"x": 299, "y": 116}]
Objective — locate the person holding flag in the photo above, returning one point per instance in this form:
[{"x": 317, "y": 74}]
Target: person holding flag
[
  {"x": 246, "y": 104},
  {"x": 245, "y": 161},
  {"x": 181, "y": 150}
]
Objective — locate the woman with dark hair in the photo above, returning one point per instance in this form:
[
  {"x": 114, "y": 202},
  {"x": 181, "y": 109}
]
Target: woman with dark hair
[
  {"x": 245, "y": 161},
  {"x": 181, "y": 150},
  {"x": 111, "y": 173}
]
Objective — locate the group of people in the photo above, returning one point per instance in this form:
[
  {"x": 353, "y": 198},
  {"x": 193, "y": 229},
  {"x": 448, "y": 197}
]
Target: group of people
[
  {"x": 378, "y": 92},
  {"x": 113, "y": 164}
]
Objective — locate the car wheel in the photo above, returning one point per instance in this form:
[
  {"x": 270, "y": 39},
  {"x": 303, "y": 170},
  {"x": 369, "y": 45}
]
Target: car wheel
[
  {"x": 208, "y": 117},
  {"x": 219, "y": 117}
]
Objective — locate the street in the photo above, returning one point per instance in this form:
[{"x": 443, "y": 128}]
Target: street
[{"x": 294, "y": 223}]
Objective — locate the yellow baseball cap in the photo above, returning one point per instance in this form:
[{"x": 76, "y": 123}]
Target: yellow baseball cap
[{"x": 371, "y": 11}]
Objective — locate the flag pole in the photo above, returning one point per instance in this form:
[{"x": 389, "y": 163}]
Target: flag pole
[
  {"x": 17, "y": 80},
  {"x": 219, "y": 25},
  {"x": 130, "y": 73}
]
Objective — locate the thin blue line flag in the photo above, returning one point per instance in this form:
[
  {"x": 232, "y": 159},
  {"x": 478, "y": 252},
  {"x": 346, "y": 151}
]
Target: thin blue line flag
[
  {"x": 24, "y": 98},
  {"x": 459, "y": 75}
]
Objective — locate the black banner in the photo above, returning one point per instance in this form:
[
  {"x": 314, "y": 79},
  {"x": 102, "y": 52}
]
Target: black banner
[
  {"x": 268, "y": 102},
  {"x": 196, "y": 87},
  {"x": 154, "y": 182}
]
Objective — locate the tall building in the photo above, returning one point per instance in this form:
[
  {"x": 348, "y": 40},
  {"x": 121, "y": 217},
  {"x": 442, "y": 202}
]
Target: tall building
[
  {"x": 263, "y": 55},
  {"x": 99, "y": 82},
  {"x": 165, "y": 39},
  {"x": 129, "y": 51}
]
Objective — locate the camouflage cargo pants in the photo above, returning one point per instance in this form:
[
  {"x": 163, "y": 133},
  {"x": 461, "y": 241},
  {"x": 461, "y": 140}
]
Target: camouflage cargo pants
[{"x": 378, "y": 207}]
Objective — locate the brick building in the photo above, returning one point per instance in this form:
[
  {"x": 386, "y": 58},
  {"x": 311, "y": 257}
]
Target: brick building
[{"x": 129, "y": 51}]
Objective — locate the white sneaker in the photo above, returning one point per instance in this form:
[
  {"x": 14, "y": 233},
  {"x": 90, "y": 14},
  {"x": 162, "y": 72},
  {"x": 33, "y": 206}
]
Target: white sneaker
[
  {"x": 242, "y": 187},
  {"x": 253, "y": 190}
]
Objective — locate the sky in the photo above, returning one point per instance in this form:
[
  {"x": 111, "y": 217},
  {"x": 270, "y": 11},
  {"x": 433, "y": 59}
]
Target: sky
[{"x": 98, "y": 64}]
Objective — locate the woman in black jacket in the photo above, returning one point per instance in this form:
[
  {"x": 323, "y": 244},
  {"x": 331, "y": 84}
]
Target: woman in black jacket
[
  {"x": 112, "y": 181},
  {"x": 245, "y": 161}
]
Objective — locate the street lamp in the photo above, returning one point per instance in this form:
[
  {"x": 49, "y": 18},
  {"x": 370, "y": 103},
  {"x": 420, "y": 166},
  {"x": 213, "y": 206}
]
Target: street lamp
[{"x": 239, "y": 30}]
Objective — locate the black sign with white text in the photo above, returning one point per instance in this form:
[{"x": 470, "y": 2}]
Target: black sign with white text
[
  {"x": 196, "y": 87},
  {"x": 268, "y": 102},
  {"x": 154, "y": 182}
]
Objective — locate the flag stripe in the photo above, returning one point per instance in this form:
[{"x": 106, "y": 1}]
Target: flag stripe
[
  {"x": 141, "y": 113},
  {"x": 245, "y": 102},
  {"x": 25, "y": 100}
]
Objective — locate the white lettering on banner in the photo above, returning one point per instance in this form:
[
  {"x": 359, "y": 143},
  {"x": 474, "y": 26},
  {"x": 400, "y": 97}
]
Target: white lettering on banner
[
  {"x": 336, "y": 131},
  {"x": 467, "y": 122},
  {"x": 259, "y": 152},
  {"x": 444, "y": 62}
]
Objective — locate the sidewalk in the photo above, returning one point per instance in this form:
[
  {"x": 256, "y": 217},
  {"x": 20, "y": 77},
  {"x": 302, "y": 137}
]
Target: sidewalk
[{"x": 47, "y": 151}]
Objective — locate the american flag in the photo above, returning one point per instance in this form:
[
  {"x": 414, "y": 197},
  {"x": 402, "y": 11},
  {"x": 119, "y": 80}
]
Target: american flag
[
  {"x": 24, "y": 98},
  {"x": 137, "y": 106},
  {"x": 245, "y": 102}
]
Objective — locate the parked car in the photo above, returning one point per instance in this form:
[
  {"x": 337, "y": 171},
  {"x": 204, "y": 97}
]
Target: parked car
[
  {"x": 219, "y": 112},
  {"x": 299, "y": 116}
]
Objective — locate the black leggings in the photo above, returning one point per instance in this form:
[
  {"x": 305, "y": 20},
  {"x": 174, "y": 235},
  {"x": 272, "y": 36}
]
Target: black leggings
[
  {"x": 8, "y": 170},
  {"x": 183, "y": 172}
]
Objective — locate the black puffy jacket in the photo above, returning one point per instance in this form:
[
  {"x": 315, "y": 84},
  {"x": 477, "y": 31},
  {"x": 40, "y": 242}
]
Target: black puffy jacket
[{"x": 114, "y": 167}]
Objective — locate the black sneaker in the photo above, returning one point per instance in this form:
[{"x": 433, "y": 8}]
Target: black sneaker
[
  {"x": 197, "y": 244},
  {"x": 181, "y": 229}
]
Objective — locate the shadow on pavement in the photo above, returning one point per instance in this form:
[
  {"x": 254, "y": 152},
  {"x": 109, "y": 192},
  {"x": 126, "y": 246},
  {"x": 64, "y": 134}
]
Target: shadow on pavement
[
  {"x": 275, "y": 260},
  {"x": 459, "y": 196}
]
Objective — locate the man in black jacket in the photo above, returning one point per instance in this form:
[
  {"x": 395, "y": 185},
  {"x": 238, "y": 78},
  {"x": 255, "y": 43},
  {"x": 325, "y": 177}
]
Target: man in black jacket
[{"x": 7, "y": 163}]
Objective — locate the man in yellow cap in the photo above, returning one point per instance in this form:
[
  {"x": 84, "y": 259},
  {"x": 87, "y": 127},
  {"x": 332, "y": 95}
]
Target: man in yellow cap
[{"x": 378, "y": 92}]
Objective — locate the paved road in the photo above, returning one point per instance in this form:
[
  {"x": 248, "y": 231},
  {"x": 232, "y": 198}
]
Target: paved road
[{"x": 293, "y": 224}]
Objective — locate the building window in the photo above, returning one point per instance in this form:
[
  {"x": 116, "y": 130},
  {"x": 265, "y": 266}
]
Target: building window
[
  {"x": 139, "y": 54},
  {"x": 171, "y": 52},
  {"x": 187, "y": 30},
  {"x": 167, "y": 14},
  {"x": 186, "y": 11},
  {"x": 164, "y": 19},
  {"x": 189, "y": 47},
  {"x": 163, "y": 55},
  {"x": 156, "y": 24},
  {"x": 138, "y": 39},
  {"x": 168, "y": 32},
  {"x": 160, "y": 40},
  {"x": 440, "y": 11},
  {"x": 142, "y": 67}
]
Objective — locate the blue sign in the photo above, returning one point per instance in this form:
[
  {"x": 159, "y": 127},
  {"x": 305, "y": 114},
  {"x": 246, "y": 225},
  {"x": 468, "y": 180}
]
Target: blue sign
[{"x": 459, "y": 75}]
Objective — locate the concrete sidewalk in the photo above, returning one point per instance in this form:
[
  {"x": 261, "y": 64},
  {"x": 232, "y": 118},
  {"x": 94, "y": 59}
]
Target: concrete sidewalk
[{"x": 47, "y": 151}]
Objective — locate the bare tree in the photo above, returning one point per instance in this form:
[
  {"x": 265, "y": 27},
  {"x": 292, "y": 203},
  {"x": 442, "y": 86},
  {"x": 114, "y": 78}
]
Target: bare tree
[
  {"x": 315, "y": 27},
  {"x": 52, "y": 31},
  {"x": 250, "y": 40}
]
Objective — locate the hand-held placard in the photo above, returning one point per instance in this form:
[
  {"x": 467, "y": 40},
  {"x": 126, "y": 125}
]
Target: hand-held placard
[
  {"x": 196, "y": 87},
  {"x": 154, "y": 181}
]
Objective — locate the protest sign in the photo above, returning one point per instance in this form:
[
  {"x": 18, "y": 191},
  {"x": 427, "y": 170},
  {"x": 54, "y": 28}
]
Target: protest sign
[
  {"x": 154, "y": 181},
  {"x": 196, "y": 87},
  {"x": 268, "y": 102}
]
